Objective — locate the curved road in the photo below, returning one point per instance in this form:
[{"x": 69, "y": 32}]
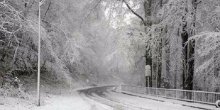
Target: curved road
[{"x": 108, "y": 95}]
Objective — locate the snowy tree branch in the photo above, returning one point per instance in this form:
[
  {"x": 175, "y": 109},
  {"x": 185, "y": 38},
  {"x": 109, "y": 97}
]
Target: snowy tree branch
[
  {"x": 136, "y": 14},
  {"x": 47, "y": 10}
]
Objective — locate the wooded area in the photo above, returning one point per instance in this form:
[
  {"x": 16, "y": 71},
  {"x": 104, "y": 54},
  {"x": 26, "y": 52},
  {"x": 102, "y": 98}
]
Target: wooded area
[
  {"x": 186, "y": 55},
  {"x": 93, "y": 42}
]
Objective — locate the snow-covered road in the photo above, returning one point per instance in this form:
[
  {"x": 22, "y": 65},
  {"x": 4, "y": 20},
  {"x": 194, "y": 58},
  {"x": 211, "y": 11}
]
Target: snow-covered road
[
  {"x": 120, "y": 101},
  {"x": 98, "y": 98}
]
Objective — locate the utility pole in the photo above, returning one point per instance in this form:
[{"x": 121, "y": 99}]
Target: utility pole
[{"x": 39, "y": 53}]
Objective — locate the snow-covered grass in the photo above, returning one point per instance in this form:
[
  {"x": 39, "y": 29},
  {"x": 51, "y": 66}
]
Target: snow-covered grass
[
  {"x": 62, "y": 100},
  {"x": 71, "y": 99}
]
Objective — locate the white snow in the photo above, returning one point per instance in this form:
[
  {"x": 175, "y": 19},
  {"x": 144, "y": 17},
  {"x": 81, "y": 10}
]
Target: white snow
[{"x": 72, "y": 101}]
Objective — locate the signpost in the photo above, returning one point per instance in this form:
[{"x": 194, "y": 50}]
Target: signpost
[{"x": 147, "y": 74}]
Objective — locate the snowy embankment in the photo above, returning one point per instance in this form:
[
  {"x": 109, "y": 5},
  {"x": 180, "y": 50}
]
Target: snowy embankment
[
  {"x": 97, "y": 98},
  {"x": 67, "y": 100}
]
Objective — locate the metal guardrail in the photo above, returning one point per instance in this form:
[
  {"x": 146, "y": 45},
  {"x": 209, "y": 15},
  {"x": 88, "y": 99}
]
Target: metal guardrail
[{"x": 177, "y": 94}]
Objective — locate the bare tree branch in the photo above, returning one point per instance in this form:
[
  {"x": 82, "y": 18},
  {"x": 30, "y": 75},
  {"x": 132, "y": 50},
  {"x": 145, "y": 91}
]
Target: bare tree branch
[
  {"x": 142, "y": 19},
  {"x": 47, "y": 10},
  {"x": 91, "y": 10}
]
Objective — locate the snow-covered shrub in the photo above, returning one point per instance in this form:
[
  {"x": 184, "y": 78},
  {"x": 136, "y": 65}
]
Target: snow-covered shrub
[{"x": 12, "y": 86}]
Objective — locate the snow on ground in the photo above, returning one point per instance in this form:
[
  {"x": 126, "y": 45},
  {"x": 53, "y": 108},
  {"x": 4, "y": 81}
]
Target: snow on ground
[
  {"x": 176, "y": 102},
  {"x": 71, "y": 101},
  {"x": 136, "y": 102},
  {"x": 146, "y": 103}
]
